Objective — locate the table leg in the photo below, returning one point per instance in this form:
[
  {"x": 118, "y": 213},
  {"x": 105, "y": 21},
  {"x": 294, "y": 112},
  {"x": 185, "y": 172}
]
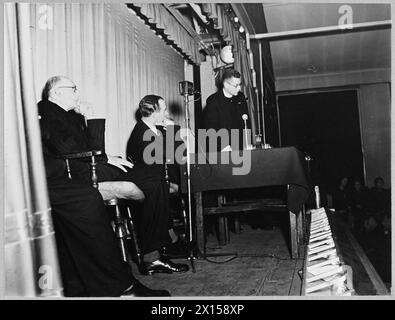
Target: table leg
[
  {"x": 294, "y": 236},
  {"x": 299, "y": 226},
  {"x": 237, "y": 225},
  {"x": 199, "y": 223},
  {"x": 222, "y": 230}
]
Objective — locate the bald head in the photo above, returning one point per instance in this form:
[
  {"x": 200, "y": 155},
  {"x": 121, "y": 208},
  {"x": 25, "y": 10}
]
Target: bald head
[
  {"x": 62, "y": 91},
  {"x": 50, "y": 84}
]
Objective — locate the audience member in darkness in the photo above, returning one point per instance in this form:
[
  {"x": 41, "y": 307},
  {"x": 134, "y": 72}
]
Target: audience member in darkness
[
  {"x": 379, "y": 200},
  {"x": 341, "y": 198},
  {"x": 358, "y": 196},
  {"x": 375, "y": 237},
  {"x": 376, "y": 242}
]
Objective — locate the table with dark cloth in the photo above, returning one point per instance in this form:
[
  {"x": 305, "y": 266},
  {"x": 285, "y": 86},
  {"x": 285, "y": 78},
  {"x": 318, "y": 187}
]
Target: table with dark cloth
[{"x": 269, "y": 167}]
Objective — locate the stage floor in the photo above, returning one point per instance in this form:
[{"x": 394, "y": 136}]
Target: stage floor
[{"x": 260, "y": 265}]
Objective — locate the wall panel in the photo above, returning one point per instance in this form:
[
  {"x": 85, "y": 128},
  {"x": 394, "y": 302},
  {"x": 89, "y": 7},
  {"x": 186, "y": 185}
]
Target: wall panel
[{"x": 375, "y": 117}]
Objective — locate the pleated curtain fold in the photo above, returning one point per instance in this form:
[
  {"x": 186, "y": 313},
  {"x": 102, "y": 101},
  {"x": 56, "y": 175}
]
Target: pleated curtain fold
[
  {"x": 113, "y": 57},
  {"x": 31, "y": 263}
]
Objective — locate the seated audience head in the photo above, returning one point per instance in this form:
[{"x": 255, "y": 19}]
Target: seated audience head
[
  {"x": 343, "y": 183},
  {"x": 358, "y": 186},
  {"x": 231, "y": 82},
  {"x": 62, "y": 91},
  {"x": 371, "y": 223},
  {"x": 379, "y": 183},
  {"x": 154, "y": 108},
  {"x": 386, "y": 222}
]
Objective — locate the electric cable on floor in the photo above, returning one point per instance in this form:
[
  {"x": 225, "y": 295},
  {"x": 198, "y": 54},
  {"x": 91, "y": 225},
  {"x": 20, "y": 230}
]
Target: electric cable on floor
[
  {"x": 269, "y": 255},
  {"x": 273, "y": 256},
  {"x": 221, "y": 262}
]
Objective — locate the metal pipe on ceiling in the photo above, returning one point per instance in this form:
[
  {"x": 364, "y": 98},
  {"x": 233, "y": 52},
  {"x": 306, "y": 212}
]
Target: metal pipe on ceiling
[{"x": 338, "y": 29}]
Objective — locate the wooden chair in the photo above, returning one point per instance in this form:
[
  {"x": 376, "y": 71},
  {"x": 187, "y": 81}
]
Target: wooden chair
[{"x": 122, "y": 221}]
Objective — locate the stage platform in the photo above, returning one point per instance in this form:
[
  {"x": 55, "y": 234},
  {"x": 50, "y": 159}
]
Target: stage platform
[{"x": 259, "y": 265}]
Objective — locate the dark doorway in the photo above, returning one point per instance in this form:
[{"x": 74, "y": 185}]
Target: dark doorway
[{"x": 326, "y": 126}]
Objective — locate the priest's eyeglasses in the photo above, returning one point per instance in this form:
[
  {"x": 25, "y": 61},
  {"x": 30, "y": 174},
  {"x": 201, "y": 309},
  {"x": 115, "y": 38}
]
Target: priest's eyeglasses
[
  {"x": 71, "y": 87},
  {"x": 235, "y": 85}
]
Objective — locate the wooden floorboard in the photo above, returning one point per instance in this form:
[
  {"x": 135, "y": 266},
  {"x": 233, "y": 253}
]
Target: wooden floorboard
[
  {"x": 296, "y": 284},
  {"x": 258, "y": 264},
  {"x": 262, "y": 267}
]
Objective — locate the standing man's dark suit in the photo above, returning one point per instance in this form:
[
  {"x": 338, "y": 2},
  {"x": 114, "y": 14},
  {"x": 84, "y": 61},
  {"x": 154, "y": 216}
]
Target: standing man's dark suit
[
  {"x": 226, "y": 113},
  {"x": 65, "y": 132}
]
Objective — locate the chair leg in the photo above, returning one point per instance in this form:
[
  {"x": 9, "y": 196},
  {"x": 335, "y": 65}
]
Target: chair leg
[
  {"x": 133, "y": 233},
  {"x": 227, "y": 233},
  {"x": 121, "y": 234}
]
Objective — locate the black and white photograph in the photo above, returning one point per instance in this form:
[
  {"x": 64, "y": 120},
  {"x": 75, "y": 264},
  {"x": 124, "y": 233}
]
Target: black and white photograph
[{"x": 209, "y": 150}]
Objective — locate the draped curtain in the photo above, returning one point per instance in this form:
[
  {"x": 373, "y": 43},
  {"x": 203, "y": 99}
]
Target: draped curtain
[
  {"x": 114, "y": 59},
  {"x": 222, "y": 22},
  {"x": 31, "y": 266}
]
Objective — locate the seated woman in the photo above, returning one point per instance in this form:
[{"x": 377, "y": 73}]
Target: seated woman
[{"x": 146, "y": 149}]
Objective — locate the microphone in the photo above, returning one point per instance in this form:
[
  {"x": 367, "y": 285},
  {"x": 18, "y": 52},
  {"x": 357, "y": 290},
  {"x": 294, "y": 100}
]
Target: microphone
[
  {"x": 245, "y": 118},
  {"x": 185, "y": 88}
]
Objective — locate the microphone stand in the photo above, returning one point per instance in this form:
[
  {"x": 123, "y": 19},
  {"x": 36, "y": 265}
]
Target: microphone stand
[
  {"x": 191, "y": 256},
  {"x": 191, "y": 245},
  {"x": 258, "y": 137},
  {"x": 248, "y": 146}
]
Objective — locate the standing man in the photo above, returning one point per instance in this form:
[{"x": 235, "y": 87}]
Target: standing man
[{"x": 225, "y": 109}]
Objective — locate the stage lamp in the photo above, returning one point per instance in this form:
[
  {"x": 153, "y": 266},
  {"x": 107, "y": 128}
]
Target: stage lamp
[{"x": 226, "y": 55}]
